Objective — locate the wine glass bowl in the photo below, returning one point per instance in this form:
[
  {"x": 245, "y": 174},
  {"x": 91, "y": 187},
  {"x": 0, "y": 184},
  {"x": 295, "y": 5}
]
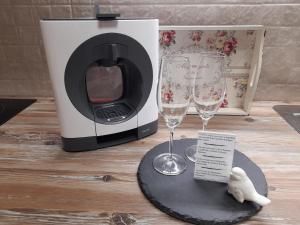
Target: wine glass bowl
[
  {"x": 208, "y": 90},
  {"x": 173, "y": 99}
]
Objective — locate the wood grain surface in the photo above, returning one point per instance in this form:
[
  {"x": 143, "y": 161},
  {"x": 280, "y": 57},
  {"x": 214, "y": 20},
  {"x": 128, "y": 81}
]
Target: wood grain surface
[{"x": 40, "y": 184}]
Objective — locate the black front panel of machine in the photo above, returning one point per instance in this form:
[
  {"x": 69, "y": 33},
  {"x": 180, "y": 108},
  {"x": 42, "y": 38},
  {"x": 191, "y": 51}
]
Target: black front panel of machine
[{"x": 108, "y": 78}]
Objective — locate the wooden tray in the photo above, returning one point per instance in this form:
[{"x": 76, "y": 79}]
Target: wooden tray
[{"x": 243, "y": 46}]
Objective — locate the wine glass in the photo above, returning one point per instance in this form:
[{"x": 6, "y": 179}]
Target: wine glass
[
  {"x": 173, "y": 99},
  {"x": 208, "y": 91}
]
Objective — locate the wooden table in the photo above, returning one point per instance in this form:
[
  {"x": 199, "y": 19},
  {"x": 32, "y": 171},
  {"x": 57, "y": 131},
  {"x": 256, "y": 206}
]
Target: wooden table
[{"x": 41, "y": 184}]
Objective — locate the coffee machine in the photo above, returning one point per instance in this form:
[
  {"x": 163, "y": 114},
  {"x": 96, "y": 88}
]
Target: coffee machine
[{"x": 104, "y": 73}]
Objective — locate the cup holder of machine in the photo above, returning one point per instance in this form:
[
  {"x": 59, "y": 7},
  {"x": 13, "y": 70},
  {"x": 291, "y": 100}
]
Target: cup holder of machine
[{"x": 113, "y": 112}]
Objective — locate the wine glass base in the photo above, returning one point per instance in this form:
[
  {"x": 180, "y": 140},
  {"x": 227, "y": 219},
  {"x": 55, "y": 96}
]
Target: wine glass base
[
  {"x": 190, "y": 153},
  {"x": 167, "y": 165}
]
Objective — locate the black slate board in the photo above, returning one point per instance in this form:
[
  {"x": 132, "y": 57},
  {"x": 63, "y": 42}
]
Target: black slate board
[
  {"x": 291, "y": 114},
  {"x": 197, "y": 201},
  {"x": 11, "y": 107}
]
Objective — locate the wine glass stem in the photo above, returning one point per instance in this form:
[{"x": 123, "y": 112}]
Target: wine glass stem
[
  {"x": 171, "y": 143},
  {"x": 204, "y": 124}
]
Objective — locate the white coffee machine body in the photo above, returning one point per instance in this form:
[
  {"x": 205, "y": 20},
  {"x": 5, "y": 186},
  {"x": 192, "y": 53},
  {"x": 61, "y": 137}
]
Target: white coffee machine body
[{"x": 104, "y": 76}]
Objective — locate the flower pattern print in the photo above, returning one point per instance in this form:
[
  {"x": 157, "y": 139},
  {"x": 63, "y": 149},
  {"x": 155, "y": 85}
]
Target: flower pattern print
[
  {"x": 168, "y": 96},
  {"x": 210, "y": 43},
  {"x": 196, "y": 37},
  {"x": 225, "y": 102},
  {"x": 222, "y": 41},
  {"x": 240, "y": 84},
  {"x": 237, "y": 45},
  {"x": 212, "y": 94},
  {"x": 167, "y": 38},
  {"x": 167, "y": 93},
  {"x": 230, "y": 46},
  {"x": 216, "y": 95}
]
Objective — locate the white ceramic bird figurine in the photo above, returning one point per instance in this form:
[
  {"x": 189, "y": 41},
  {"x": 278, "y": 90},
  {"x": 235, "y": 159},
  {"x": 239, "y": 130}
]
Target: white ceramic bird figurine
[{"x": 242, "y": 188}]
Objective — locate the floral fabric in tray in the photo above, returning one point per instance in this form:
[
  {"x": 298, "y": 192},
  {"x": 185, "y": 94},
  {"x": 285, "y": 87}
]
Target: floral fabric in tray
[{"x": 237, "y": 45}]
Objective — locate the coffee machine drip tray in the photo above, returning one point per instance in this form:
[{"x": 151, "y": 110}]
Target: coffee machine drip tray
[{"x": 113, "y": 112}]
